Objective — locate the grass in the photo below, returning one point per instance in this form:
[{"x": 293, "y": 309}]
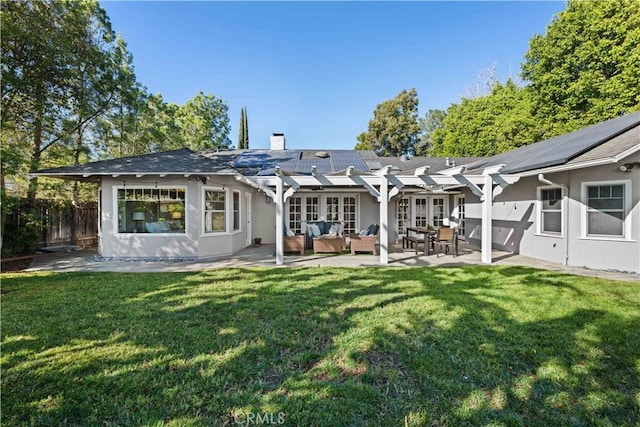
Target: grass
[{"x": 318, "y": 346}]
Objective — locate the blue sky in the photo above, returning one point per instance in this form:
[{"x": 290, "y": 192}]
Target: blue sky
[{"x": 316, "y": 70}]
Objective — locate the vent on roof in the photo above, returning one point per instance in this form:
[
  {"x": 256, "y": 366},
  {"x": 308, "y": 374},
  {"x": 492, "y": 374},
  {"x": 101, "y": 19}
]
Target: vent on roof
[{"x": 322, "y": 154}]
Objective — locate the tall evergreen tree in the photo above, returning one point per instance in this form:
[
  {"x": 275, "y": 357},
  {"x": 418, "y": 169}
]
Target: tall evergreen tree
[
  {"x": 246, "y": 129},
  {"x": 243, "y": 134}
]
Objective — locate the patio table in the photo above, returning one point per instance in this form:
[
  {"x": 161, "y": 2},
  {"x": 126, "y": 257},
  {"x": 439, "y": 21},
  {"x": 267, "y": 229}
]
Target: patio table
[{"x": 425, "y": 239}]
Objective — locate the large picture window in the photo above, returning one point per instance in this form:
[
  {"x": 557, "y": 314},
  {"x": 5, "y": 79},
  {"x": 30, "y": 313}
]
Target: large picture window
[
  {"x": 550, "y": 203},
  {"x": 214, "y": 211},
  {"x": 151, "y": 210},
  {"x": 605, "y": 209}
]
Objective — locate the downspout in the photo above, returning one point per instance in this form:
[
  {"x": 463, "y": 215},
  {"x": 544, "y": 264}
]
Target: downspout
[{"x": 565, "y": 214}]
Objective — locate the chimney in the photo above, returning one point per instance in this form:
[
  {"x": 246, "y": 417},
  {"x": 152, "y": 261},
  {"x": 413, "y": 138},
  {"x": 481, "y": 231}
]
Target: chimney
[
  {"x": 447, "y": 161},
  {"x": 277, "y": 141}
]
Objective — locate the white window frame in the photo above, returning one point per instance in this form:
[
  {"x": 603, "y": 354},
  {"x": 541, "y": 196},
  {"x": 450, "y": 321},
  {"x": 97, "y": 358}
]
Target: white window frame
[
  {"x": 540, "y": 211},
  {"x": 415, "y": 210},
  {"x": 432, "y": 209},
  {"x": 292, "y": 217},
  {"x": 403, "y": 221},
  {"x": 460, "y": 215},
  {"x": 626, "y": 225},
  {"x": 235, "y": 193},
  {"x": 147, "y": 186},
  {"x": 356, "y": 197},
  {"x": 204, "y": 211}
]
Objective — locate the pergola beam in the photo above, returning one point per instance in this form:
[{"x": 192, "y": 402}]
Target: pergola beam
[{"x": 481, "y": 185}]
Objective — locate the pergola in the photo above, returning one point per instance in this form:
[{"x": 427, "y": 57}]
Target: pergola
[{"x": 383, "y": 185}]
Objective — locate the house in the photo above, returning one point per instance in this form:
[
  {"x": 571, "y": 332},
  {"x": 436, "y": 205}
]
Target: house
[{"x": 573, "y": 199}]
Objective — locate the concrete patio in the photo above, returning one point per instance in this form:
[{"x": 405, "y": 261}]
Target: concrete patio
[{"x": 264, "y": 256}]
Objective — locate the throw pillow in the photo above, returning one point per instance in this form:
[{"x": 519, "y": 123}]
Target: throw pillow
[{"x": 315, "y": 230}]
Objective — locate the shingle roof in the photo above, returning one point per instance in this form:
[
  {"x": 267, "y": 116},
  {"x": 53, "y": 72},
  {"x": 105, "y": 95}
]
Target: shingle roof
[
  {"x": 181, "y": 161},
  {"x": 561, "y": 149},
  {"x": 601, "y": 140}
]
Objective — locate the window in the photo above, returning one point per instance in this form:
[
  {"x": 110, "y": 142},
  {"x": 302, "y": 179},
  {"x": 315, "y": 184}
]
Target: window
[
  {"x": 438, "y": 212},
  {"x": 313, "y": 207},
  {"x": 403, "y": 215},
  {"x": 236, "y": 210},
  {"x": 295, "y": 214},
  {"x": 460, "y": 215},
  {"x": 151, "y": 210},
  {"x": 350, "y": 214},
  {"x": 550, "y": 208},
  {"x": 214, "y": 211},
  {"x": 605, "y": 209},
  {"x": 332, "y": 208},
  {"x": 421, "y": 212}
]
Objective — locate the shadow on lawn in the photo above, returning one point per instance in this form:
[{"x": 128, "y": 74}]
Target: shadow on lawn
[{"x": 349, "y": 347}]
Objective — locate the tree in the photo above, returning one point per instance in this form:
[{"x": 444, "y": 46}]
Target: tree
[
  {"x": 204, "y": 123},
  {"x": 120, "y": 131},
  {"x": 243, "y": 134},
  {"x": 584, "y": 69},
  {"x": 394, "y": 129},
  {"x": 488, "y": 125},
  {"x": 56, "y": 75},
  {"x": 432, "y": 121}
]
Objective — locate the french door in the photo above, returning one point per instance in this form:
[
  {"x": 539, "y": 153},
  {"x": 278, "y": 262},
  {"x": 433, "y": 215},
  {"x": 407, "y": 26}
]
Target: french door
[{"x": 334, "y": 208}]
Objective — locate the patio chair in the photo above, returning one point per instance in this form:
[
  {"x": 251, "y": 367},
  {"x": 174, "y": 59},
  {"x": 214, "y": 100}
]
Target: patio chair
[
  {"x": 294, "y": 243},
  {"x": 327, "y": 244},
  {"x": 365, "y": 242},
  {"x": 444, "y": 238}
]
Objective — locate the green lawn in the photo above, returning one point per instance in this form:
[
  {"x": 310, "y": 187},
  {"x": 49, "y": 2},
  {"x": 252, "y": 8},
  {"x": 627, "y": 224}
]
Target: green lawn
[{"x": 320, "y": 346}]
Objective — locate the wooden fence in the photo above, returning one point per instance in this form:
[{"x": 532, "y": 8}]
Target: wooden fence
[{"x": 57, "y": 223}]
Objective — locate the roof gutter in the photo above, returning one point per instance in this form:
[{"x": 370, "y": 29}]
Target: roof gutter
[{"x": 565, "y": 214}]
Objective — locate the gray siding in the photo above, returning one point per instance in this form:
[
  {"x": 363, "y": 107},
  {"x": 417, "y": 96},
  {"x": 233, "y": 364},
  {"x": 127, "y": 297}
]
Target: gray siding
[
  {"x": 193, "y": 243},
  {"x": 515, "y": 222}
]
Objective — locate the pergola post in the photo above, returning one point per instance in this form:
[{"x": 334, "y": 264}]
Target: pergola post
[
  {"x": 279, "y": 221},
  {"x": 487, "y": 220},
  {"x": 384, "y": 219}
]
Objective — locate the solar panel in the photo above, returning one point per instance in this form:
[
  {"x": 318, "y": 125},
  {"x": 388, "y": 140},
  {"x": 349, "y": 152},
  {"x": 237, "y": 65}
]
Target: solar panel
[
  {"x": 342, "y": 159},
  {"x": 251, "y": 159},
  {"x": 559, "y": 150}
]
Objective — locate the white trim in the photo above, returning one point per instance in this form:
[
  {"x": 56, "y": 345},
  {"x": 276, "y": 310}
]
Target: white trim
[
  {"x": 539, "y": 203},
  {"x": 240, "y": 211},
  {"x": 627, "y": 153},
  {"x": 607, "y": 239},
  {"x": 568, "y": 167},
  {"x": 456, "y": 214},
  {"x": 626, "y": 231}
]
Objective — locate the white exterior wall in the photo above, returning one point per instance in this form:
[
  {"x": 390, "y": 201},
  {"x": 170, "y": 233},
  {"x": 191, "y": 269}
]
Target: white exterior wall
[
  {"x": 516, "y": 217},
  {"x": 370, "y": 212},
  {"x": 264, "y": 218},
  {"x": 193, "y": 242},
  {"x": 601, "y": 253}
]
